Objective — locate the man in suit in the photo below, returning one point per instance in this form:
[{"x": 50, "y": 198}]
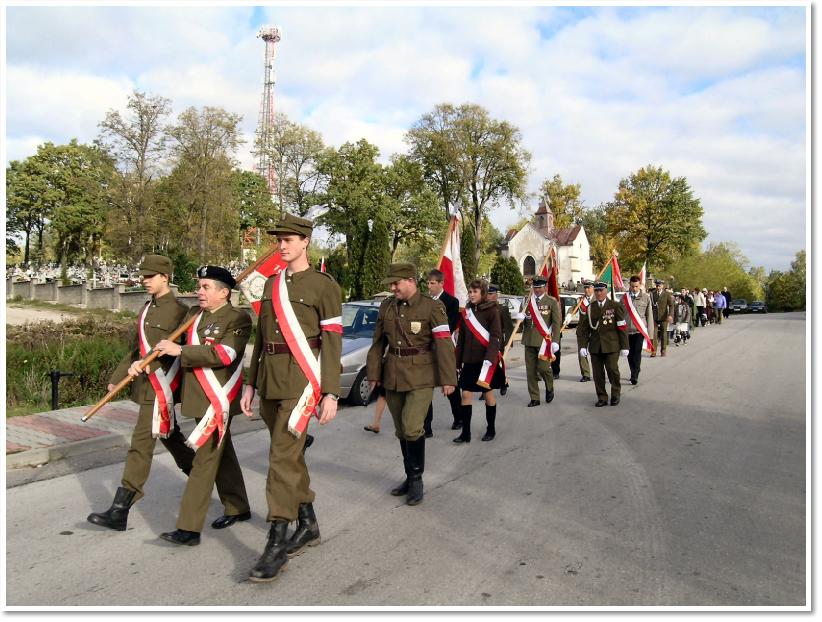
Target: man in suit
[
  {"x": 532, "y": 340},
  {"x": 603, "y": 334},
  {"x": 662, "y": 304},
  {"x": 452, "y": 311}
]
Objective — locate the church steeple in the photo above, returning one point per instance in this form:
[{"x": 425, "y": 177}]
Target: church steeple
[{"x": 544, "y": 219}]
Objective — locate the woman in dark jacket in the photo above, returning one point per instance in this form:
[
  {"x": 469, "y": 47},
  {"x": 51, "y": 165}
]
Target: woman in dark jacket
[{"x": 478, "y": 353}]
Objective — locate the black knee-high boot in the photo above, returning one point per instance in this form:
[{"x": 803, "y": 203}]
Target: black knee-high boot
[
  {"x": 465, "y": 433},
  {"x": 490, "y": 419}
]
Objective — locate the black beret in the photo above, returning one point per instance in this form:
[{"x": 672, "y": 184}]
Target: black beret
[{"x": 217, "y": 273}]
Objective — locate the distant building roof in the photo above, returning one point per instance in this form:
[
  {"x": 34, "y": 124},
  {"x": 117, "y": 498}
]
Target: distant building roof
[{"x": 565, "y": 237}]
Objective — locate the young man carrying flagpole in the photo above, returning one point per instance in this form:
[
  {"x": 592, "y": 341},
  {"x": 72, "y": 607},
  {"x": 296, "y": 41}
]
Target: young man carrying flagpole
[
  {"x": 640, "y": 316},
  {"x": 295, "y": 367}
]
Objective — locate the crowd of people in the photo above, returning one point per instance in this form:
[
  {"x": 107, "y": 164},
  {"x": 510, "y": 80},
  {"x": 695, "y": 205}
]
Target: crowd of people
[{"x": 420, "y": 342}]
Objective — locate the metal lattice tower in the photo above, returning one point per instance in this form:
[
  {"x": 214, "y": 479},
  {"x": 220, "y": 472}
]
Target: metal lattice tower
[{"x": 265, "y": 164}]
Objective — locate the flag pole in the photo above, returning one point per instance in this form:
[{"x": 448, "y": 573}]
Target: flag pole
[{"x": 579, "y": 302}]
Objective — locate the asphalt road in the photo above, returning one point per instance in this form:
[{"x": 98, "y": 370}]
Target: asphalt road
[{"x": 691, "y": 492}]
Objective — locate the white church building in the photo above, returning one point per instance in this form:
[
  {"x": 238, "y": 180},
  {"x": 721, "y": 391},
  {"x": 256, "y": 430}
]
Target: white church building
[{"x": 532, "y": 243}]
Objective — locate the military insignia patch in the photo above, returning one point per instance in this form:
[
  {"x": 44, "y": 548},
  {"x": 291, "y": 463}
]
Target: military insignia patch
[{"x": 416, "y": 327}]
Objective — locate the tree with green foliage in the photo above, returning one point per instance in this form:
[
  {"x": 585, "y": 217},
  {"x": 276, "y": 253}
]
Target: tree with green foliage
[
  {"x": 376, "y": 259},
  {"x": 468, "y": 243},
  {"x": 563, "y": 201},
  {"x": 256, "y": 208},
  {"x": 294, "y": 149},
  {"x": 203, "y": 143},
  {"x": 785, "y": 291},
  {"x": 594, "y": 220},
  {"x": 474, "y": 161},
  {"x": 655, "y": 219},
  {"x": 354, "y": 183},
  {"x": 137, "y": 141},
  {"x": 721, "y": 265},
  {"x": 506, "y": 275},
  {"x": 185, "y": 269},
  {"x": 413, "y": 216}
]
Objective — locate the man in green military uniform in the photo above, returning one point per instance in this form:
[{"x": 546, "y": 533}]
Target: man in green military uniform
[
  {"x": 212, "y": 364},
  {"x": 663, "y": 307},
  {"x": 532, "y": 340},
  {"x": 587, "y": 299},
  {"x": 603, "y": 333},
  {"x": 507, "y": 325},
  {"x": 300, "y": 320},
  {"x": 412, "y": 353},
  {"x": 154, "y": 392}
]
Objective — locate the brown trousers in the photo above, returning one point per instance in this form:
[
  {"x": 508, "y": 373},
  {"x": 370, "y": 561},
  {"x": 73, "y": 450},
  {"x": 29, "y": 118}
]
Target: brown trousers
[
  {"x": 141, "y": 452},
  {"x": 213, "y": 464},
  {"x": 287, "y": 483}
]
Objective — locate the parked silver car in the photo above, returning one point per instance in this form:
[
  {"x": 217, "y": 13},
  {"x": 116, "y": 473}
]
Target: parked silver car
[{"x": 359, "y": 320}]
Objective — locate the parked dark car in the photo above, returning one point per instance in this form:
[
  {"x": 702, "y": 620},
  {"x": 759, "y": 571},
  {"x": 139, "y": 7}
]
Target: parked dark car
[
  {"x": 757, "y": 306},
  {"x": 740, "y": 305}
]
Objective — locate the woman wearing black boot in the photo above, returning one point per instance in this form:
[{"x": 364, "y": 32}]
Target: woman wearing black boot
[{"x": 478, "y": 358}]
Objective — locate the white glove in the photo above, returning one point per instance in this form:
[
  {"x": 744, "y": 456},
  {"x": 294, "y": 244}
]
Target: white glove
[
  {"x": 520, "y": 317},
  {"x": 583, "y": 352},
  {"x": 554, "y": 347},
  {"x": 624, "y": 353}
]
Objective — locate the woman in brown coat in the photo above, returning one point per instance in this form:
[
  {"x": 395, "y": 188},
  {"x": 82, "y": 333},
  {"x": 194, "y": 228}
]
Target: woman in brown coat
[{"x": 478, "y": 351}]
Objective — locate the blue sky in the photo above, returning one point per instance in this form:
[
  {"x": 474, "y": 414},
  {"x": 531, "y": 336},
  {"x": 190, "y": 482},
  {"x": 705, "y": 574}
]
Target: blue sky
[{"x": 714, "y": 94}]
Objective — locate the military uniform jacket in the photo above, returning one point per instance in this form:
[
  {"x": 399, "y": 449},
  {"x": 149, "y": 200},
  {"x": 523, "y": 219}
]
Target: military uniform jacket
[
  {"x": 469, "y": 348},
  {"x": 227, "y": 327},
  {"x": 603, "y": 329},
  {"x": 642, "y": 304},
  {"x": 315, "y": 297},
  {"x": 411, "y": 324},
  {"x": 507, "y": 324},
  {"x": 165, "y": 314},
  {"x": 549, "y": 308},
  {"x": 452, "y": 309},
  {"x": 662, "y": 304}
]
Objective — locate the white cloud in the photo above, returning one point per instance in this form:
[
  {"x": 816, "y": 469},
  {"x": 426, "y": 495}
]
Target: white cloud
[{"x": 711, "y": 93}]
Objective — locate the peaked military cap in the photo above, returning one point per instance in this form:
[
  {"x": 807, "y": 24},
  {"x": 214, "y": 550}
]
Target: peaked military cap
[
  {"x": 492, "y": 289},
  {"x": 587, "y": 283},
  {"x": 290, "y": 224},
  {"x": 659, "y": 282},
  {"x": 217, "y": 273},
  {"x": 600, "y": 285},
  {"x": 397, "y": 271},
  {"x": 540, "y": 281},
  {"x": 155, "y": 264}
]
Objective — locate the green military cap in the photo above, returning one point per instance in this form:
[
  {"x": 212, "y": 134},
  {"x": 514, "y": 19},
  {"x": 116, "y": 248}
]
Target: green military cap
[
  {"x": 155, "y": 264},
  {"x": 397, "y": 271},
  {"x": 290, "y": 224}
]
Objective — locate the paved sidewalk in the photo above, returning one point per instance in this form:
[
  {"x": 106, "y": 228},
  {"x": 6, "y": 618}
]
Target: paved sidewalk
[{"x": 33, "y": 440}]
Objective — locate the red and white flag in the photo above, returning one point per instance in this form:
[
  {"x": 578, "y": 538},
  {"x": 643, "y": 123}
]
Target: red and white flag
[
  {"x": 322, "y": 265},
  {"x": 642, "y": 275},
  {"x": 252, "y": 286},
  {"x": 451, "y": 263},
  {"x": 552, "y": 273}
]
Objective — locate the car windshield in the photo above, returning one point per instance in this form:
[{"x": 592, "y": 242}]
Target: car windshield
[{"x": 359, "y": 320}]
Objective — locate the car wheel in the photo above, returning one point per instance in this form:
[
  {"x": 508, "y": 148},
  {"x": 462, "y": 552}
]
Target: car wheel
[{"x": 360, "y": 394}]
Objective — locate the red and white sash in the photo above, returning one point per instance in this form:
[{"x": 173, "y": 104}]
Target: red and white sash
[
  {"x": 163, "y": 383},
  {"x": 584, "y": 303},
  {"x": 220, "y": 396},
  {"x": 483, "y": 336},
  {"x": 301, "y": 351},
  {"x": 638, "y": 321},
  {"x": 542, "y": 327}
]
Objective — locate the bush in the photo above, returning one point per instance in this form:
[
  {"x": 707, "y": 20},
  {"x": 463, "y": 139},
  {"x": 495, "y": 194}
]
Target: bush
[{"x": 88, "y": 347}]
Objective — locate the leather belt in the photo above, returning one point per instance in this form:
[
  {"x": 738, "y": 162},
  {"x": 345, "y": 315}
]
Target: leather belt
[
  {"x": 408, "y": 351},
  {"x": 282, "y": 348}
]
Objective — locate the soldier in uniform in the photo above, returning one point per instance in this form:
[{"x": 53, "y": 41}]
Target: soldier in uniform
[
  {"x": 507, "y": 325},
  {"x": 662, "y": 304},
  {"x": 603, "y": 333},
  {"x": 160, "y": 316},
  {"x": 300, "y": 320},
  {"x": 212, "y": 364},
  {"x": 532, "y": 339},
  {"x": 452, "y": 311},
  {"x": 588, "y": 298},
  {"x": 642, "y": 303},
  {"x": 411, "y": 354}
]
